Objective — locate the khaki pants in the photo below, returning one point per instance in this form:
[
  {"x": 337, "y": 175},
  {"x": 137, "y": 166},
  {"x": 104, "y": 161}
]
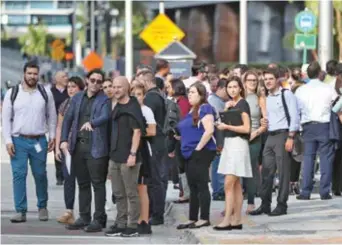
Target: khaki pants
[{"x": 125, "y": 188}]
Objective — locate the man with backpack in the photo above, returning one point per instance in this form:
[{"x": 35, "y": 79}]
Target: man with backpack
[
  {"x": 166, "y": 116},
  {"x": 28, "y": 108}
]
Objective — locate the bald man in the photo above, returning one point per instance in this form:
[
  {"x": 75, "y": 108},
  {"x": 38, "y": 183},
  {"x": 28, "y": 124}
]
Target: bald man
[
  {"x": 127, "y": 126},
  {"x": 60, "y": 94}
]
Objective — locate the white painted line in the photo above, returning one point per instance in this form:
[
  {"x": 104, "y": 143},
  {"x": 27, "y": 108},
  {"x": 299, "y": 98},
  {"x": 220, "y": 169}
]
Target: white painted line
[{"x": 66, "y": 237}]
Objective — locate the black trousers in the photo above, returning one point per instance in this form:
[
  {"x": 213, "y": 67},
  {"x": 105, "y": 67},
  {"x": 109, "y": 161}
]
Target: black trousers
[
  {"x": 59, "y": 169},
  {"x": 90, "y": 171},
  {"x": 197, "y": 173},
  {"x": 337, "y": 171},
  {"x": 295, "y": 170}
]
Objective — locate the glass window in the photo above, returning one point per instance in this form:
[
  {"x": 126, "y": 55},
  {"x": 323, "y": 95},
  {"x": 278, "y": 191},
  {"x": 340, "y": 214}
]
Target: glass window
[
  {"x": 15, "y": 4},
  {"x": 17, "y": 20},
  {"x": 41, "y": 5},
  {"x": 65, "y": 4},
  {"x": 51, "y": 20}
]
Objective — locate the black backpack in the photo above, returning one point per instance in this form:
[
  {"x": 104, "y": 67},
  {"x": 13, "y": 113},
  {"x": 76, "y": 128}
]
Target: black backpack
[
  {"x": 172, "y": 116},
  {"x": 42, "y": 91}
]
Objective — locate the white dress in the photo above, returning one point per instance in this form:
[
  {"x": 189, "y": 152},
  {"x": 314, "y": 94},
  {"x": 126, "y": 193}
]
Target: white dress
[{"x": 235, "y": 158}]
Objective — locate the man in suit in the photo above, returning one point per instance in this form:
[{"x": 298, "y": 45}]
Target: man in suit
[{"x": 87, "y": 122}]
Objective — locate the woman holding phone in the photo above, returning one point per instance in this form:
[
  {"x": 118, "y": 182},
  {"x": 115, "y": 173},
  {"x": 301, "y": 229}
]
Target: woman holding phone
[{"x": 235, "y": 162}]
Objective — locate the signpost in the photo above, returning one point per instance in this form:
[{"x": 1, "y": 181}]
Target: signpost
[
  {"x": 306, "y": 22},
  {"x": 161, "y": 32}
]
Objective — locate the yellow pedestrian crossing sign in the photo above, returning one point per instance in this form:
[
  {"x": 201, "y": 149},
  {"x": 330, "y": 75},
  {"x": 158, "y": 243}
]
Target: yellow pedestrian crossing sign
[{"x": 161, "y": 32}]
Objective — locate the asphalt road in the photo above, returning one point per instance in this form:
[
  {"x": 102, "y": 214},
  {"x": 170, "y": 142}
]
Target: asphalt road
[{"x": 50, "y": 232}]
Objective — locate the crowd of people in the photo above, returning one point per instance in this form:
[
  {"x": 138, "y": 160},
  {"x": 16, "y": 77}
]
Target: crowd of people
[{"x": 238, "y": 129}]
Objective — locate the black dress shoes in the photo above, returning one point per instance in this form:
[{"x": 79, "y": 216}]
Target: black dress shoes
[
  {"x": 194, "y": 226},
  {"x": 278, "y": 211},
  {"x": 185, "y": 226},
  {"x": 301, "y": 197},
  {"x": 327, "y": 197},
  {"x": 261, "y": 210},
  {"x": 228, "y": 227},
  {"x": 95, "y": 226},
  {"x": 79, "y": 224}
]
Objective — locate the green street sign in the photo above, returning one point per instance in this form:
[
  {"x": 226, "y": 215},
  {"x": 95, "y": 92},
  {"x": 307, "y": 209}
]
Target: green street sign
[
  {"x": 305, "y": 41},
  {"x": 305, "y": 21}
]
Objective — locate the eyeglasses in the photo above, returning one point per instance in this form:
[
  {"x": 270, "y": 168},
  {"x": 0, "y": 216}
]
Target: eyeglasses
[{"x": 93, "y": 81}]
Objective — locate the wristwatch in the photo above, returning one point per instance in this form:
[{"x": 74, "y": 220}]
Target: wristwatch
[{"x": 133, "y": 154}]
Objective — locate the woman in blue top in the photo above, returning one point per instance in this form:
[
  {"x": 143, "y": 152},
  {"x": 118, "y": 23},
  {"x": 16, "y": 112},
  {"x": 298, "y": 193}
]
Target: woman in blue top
[
  {"x": 235, "y": 159},
  {"x": 198, "y": 148}
]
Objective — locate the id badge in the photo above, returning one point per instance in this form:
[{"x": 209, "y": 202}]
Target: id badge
[{"x": 38, "y": 147}]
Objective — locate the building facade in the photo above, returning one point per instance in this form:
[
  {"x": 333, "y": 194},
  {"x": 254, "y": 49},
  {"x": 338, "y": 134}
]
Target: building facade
[{"x": 17, "y": 15}]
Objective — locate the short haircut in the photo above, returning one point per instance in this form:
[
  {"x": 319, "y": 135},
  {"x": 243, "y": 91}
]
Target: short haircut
[
  {"x": 108, "y": 79},
  {"x": 147, "y": 76},
  {"x": 331, "y": 67},
  {"x": 198, "y": 68},
  {"x": 222, "y": 83},
  {"x": 144, "y": 67},
  {"x": 243, "y": 68},
  {"x": 159, "y": 83},
  {"x": 178, "y": 87},
  {"x": 314, "y": 70},
  {"x": 31, "y": 64},
  {"x": 161, "y": 64},
  {"x": 78, "y": 81},
  {"x": 96, "y": 71},
  {"x": 273, "y": 71}
]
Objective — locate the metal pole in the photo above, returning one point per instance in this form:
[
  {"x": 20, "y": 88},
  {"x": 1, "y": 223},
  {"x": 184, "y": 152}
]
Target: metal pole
[
  {"x": 128, "y": 43},
  {"x": 325, "y": 32},
  {"x": 74, "y": 35},
  {"x": 161, "y": 7},
  {"x": 243, "y": 58},
  {"x": 92, "y": 25}
]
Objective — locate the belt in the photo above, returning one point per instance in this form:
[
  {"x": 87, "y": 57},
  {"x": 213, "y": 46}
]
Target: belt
[
  {"x": 29, "y": 136},
  {"x": 272, "y": 133},
  {"x": 312, "y": 123}
]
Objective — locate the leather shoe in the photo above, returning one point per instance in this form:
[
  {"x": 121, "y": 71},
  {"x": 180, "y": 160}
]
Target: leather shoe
[
  {"x": 337, "y": 193},
  {"x": 184, "y": 226},
  {"x": 301, "y": 197},
  {"x": 327, "y": 197},
  {"x": 278, "y": 211},
  {"x": 79, "y": 224},
  {"x": 261, "y": 210},
  {"x": 194, "y": 226},
  {"x": 94, "y": 226}
]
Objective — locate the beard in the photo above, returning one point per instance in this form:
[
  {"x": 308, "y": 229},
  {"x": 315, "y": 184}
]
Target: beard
[{"x": 30, "y": 82}]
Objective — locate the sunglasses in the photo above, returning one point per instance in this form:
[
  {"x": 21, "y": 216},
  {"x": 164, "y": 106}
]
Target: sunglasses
[{"x": 93, "y": 81}]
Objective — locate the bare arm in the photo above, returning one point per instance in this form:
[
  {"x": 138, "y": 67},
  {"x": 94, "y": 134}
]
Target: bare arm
[
  {"x": 208, "y": 124},
  {"x": 151, "y": 130},
  {"x": 262, "y": 128},
  {"x": 340, "y": 116},
  {"x": 245, "y": 128}
]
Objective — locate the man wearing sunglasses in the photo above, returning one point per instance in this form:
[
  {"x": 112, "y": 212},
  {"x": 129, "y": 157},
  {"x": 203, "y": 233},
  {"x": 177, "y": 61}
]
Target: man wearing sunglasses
[{"x": 87, "y": 121}]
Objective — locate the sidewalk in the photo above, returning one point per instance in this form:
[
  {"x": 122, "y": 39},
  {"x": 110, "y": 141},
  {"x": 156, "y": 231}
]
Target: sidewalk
[{"x": 307, "y": 222}]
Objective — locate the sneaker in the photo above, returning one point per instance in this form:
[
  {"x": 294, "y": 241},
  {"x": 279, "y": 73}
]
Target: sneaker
[
  {"x": 18, "y": 218},
  {"x": 144, "y": 228},
  {"x": 43, "y": 214},
  {"x": 130, "y": 232},
  {"x": 114, "y": 231}
]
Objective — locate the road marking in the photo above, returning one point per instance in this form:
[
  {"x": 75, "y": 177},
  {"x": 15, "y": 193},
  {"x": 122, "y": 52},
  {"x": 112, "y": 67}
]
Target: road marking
[{"x": 64, "y": 237}]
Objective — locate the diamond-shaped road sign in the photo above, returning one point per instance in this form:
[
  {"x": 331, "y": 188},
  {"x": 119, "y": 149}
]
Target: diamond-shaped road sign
[{"x": 161, "y": 32}]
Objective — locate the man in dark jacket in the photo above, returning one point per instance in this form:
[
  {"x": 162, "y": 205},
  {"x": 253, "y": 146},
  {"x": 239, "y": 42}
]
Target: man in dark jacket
[
  {"x": 87, "y": 121},
  {"x": 127, "y": 126}
]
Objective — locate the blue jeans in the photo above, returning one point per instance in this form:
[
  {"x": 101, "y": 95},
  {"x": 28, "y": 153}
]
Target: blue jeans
[
  {"x": 25, "y": 151},
  {"x": 217, "y": 180},
  {"x": 316, "y": 140}
]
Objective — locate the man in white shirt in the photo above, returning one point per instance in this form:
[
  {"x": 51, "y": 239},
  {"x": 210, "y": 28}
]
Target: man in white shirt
[
  {"x": 199, "y": 74},
  {"x": 27, "y": 111},
  {"x": 315, "y": 101}
]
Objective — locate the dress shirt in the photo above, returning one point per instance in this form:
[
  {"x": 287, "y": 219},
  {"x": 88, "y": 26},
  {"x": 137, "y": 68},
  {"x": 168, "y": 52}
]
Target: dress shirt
[
  {"x": 276, "y": 112},
  {"x": 315, "y": 101},
  {"x": 188, "y": 82},
  {"x": 30, "y": 116}
]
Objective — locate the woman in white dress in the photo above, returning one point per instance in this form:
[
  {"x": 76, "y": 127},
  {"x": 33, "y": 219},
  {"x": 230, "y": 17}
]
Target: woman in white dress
[{"x": 235, "y": 161}]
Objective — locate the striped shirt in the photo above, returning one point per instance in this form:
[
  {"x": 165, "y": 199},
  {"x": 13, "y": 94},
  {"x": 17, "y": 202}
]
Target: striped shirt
[{"x": 29, "y": 114}]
